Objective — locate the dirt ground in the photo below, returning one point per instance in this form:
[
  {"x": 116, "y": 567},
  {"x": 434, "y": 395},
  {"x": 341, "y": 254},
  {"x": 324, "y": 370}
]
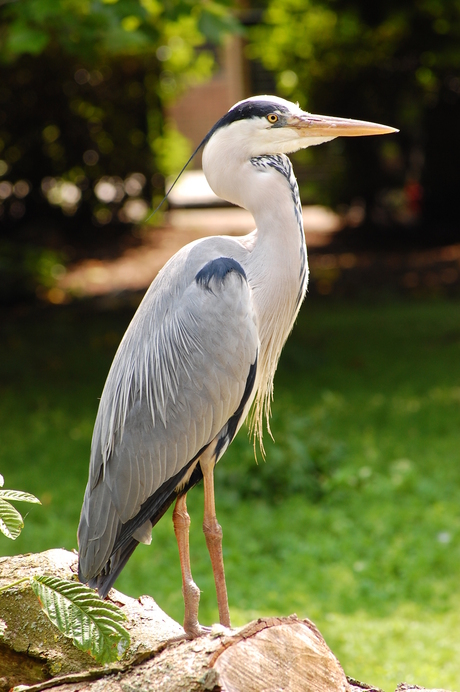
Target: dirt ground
[{"x": 338, "y": 265}]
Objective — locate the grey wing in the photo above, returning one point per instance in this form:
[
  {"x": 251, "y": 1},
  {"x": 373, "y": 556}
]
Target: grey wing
[{"x": 184, "y": 376}]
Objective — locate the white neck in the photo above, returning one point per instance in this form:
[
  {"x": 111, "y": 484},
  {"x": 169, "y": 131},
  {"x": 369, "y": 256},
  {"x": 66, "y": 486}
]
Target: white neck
[
  {"x": 276, "y": 266},
  {"x": 265, "y": 186}
]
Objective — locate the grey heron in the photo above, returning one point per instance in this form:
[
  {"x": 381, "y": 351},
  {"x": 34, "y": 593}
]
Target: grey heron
[{"x": 202, "y": 349}]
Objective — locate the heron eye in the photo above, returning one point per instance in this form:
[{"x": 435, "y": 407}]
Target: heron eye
[{"x": 272, "y": 118}]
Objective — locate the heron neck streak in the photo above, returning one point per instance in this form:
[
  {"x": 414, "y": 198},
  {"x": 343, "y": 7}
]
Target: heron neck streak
[
  {"x": 277, "y": 267},
  {"x": 274, "y": 256}
]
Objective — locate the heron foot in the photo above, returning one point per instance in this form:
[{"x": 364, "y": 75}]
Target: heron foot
[{"x": 197, "y": 630}]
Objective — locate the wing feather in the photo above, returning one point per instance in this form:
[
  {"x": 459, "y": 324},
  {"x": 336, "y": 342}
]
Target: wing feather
[{"x": 178, "y": 377}]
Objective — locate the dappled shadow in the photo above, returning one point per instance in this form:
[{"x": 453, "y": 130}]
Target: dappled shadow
[{"x": 344, "y": 261}]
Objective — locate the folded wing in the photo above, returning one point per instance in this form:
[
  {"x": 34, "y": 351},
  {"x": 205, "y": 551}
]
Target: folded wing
[{"x": 183, "y": 376}]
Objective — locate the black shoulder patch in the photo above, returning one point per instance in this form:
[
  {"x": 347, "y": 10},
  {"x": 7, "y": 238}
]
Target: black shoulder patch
[{"x": 218, "y": 269}]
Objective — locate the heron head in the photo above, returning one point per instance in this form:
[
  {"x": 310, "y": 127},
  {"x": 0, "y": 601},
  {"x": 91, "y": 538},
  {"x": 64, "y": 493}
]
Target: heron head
[
  {"x": 264, "y": 125},
  {"x": 267, "y": 125}
]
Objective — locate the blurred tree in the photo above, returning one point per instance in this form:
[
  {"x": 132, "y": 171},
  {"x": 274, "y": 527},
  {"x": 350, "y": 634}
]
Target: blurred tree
[
  {"x": 83, "y": 143},
  {"x": 392, "y": 61}
]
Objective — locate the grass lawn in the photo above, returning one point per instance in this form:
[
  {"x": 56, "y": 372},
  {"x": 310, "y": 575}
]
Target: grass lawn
[{"x": 353, "y": 520}]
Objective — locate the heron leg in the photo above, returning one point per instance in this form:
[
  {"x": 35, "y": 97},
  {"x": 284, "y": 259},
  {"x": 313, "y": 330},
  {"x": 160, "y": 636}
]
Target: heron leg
[
  {"x": 213, "y": 534},
  {"x": 190, "y": 590}
]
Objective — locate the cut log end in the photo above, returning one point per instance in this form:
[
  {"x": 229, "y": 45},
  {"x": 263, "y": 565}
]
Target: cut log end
[{"x": 279, "y": 654}]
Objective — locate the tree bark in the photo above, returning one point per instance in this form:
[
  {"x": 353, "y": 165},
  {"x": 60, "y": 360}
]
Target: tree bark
[{"x": 267, "y": 655}]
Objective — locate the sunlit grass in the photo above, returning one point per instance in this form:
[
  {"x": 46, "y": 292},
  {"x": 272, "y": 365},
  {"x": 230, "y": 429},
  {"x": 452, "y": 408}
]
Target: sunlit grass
[{"x": 353, "y": 520}]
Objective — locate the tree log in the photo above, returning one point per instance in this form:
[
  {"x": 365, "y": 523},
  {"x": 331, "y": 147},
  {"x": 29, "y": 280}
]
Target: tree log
[{"x": 267, "y": 655}]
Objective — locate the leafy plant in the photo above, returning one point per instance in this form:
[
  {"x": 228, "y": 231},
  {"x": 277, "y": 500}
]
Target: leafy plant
[
  {"x": 11, "y": 521},
  {"x": 79, "y": 614},
  {"x": 93, "y": 625}
]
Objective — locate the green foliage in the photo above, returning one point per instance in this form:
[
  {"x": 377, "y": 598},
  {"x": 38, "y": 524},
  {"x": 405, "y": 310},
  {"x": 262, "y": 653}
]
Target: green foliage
[
  {"x": 314, "y": 457},
  {"x": 324, "y": 42},
  {"x": 27, "y": 269},
  {"x": 171, "y": 150},
  {"x": 88, "y": 29},
  {"x": 93, "y": 625},
  {"x": 83, "y": 94},
  {"x": 101, "y": 32},
  {"x": 388, "y": 62},
  {"x": 11, "y": 521}
]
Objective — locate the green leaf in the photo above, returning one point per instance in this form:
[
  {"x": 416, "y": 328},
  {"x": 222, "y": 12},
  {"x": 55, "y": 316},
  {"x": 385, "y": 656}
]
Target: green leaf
[
  {"x": 214, "y": 23},
  {"x": 18, "y": 495},
  {"x": 11, "y": 522},
  {"x": 93, "y": 625},
  {"x": 26, "y": 39}
]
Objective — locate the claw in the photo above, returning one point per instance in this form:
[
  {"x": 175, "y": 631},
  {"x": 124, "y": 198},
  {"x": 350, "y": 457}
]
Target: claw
[{"x": 197, "y": 631}]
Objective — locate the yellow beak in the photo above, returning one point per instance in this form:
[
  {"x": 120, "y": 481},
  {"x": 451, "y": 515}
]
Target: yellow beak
[{"x": 327, "y": 126}]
